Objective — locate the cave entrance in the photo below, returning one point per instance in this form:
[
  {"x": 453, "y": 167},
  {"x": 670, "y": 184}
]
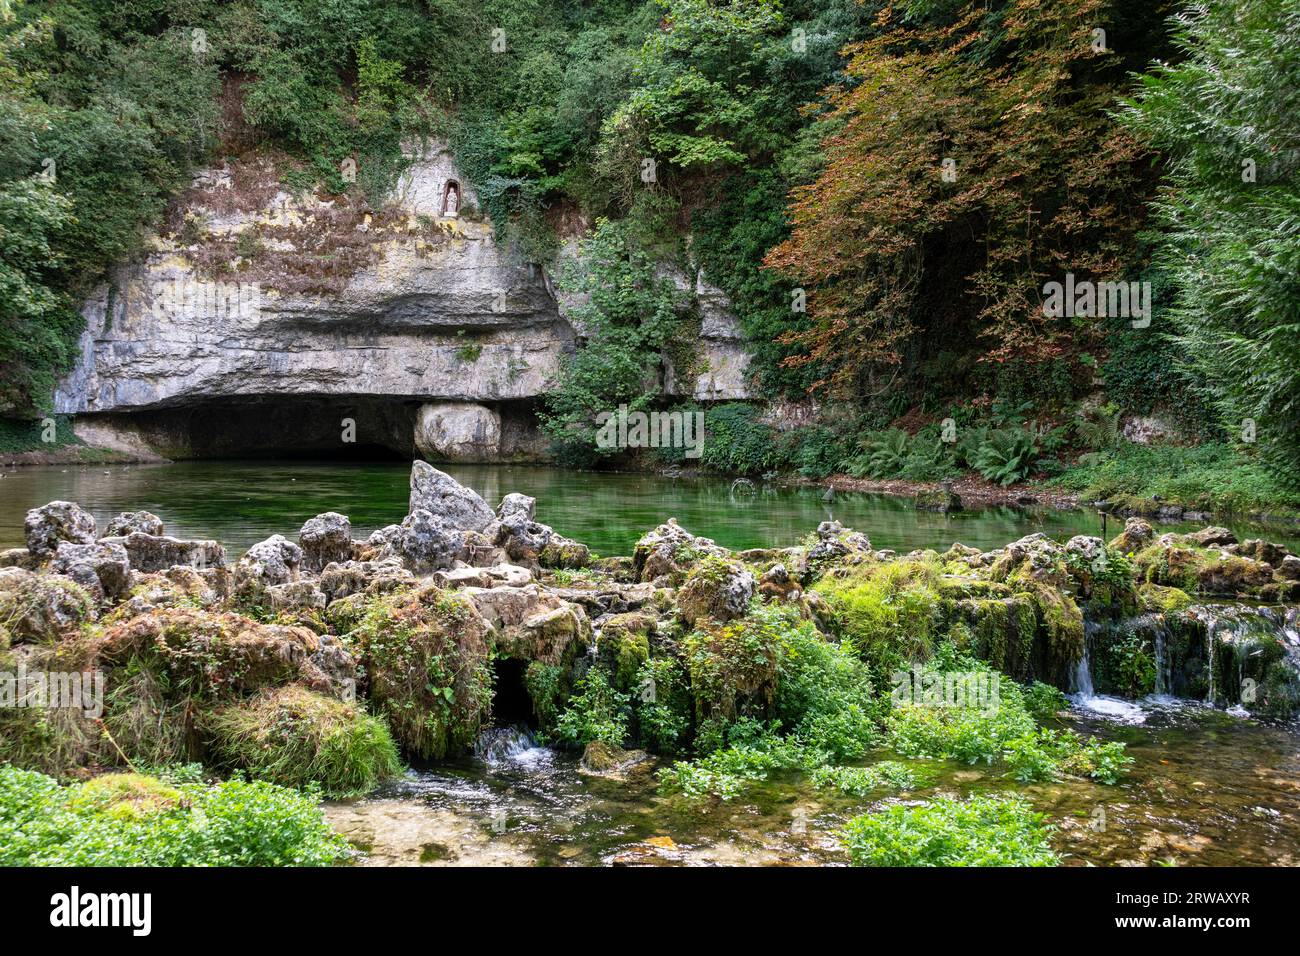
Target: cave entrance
[
  {"x": 511, "y": 702},
  {"x": 326, "y": 428}
]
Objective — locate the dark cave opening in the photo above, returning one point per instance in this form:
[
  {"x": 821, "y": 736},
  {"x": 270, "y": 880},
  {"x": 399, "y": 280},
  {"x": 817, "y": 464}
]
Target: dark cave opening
[
  {"x": 301, "y": 427},
  {"x": 511, "y": 702}
]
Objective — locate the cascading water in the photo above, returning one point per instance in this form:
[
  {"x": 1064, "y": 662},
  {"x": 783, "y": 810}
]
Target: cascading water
[
  {"x": 1085, "y": 695},
  {"x": 513, "y": 744},
  {"x": 1245, "y": 657}
]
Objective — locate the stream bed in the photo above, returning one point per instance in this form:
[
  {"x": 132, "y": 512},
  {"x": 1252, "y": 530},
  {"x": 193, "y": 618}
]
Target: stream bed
[{"x": 1206, "y": 789}]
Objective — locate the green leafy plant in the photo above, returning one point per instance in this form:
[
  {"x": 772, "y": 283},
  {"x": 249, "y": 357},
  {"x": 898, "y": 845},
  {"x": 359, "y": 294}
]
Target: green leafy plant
[{"x": 979, "y": 831}]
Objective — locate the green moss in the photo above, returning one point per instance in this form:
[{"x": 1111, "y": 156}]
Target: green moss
[
  {"x": 733, "y": 667},
  {"x": 427, "y": 654},
  {"x": 890, "y": 611},
  {"x": 126, "y": 796},
  {"x": 1154, "y": 598},
  {"x": 624, "y": 646}
]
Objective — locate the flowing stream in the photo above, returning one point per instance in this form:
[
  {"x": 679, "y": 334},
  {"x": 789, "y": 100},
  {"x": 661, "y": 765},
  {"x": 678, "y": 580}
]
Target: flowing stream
[{"x": 1208, "y": 787}]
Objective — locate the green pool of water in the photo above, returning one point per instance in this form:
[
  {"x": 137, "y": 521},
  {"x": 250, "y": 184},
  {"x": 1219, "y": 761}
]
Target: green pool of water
[{"x": 241, "y": 502}]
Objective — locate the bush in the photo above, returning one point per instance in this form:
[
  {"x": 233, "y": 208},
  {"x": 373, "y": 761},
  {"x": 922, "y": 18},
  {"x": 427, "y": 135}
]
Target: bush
[
  {"x": 737, "y": 442},
  {"x": 663, "y": 717},
  {"x": 1211, "y": 476},
  {"x": 980, "y": 831},
  {"x": 294, "y": 737},
  {"x": 862, "y": 781},
  {"x": 1006, "y": 732},
  {"x": 596, "y": 712},
  {"x": 823, "y": 693},
  {"x": 131, "y": 820},
  {"x": 1008, "y": 455}
]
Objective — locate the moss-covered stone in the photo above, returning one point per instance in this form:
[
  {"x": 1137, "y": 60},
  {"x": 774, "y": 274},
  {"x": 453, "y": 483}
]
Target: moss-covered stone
[
  {"x": 126, "y": 796},
  {"x": 294, "y": 737},
  {"x": 214, "y": 654},
  {"x": 716, "y": 588},
  {"x": 624, "y": 645},
  {"x": 733, "y": 669},
  {"x": 426, "y": 653},
  {"x": 41, "y": 608}
]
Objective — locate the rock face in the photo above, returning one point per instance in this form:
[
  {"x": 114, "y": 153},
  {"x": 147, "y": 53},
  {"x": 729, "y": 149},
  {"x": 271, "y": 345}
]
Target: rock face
[
  {"x": 272, "y": 319},
  {"x": 58, "y": 521},
  {"x": 442, "y": 495},
  {"x": 435, "y": 309},
  {"x": 458, "y": 431}
]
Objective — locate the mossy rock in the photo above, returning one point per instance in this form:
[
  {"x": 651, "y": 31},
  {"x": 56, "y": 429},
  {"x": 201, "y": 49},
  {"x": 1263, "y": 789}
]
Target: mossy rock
[
  {"x": 1155, "y": 599},
  {"x": 427, "y": 656},
  {"x": 716, "y": 588},
  {"x": 42, "y": 608},
  {"x": 624, "y": 645},
  {"x": 295, "y": 737},
  {"x": 208, "y": 654},
  {"x": 562, "y": 553},
  {"x": 1001, "y": 631},
  {"x": 129, "y": 797},
  {"x": 733, "y": 669}
]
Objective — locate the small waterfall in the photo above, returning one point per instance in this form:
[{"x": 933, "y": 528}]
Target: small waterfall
[
  {"x": 513, "y": 744},
  {"x": 1082, "y": 678},
  {"x": 1162, "y": 679}
]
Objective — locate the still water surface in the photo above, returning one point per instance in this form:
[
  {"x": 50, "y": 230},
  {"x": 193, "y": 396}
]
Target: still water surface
[{"x": 242, "y": 502}]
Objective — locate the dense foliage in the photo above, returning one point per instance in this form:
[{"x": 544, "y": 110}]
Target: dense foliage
[
  {"x": 136, "y": 820},
  {"x": 882, "y": 190}
]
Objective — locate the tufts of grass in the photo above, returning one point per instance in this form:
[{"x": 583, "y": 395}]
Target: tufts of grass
[{"x": 296, "y": 737}]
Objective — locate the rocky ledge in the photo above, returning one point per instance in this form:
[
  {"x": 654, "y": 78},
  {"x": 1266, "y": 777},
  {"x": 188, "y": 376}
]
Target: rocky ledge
[{"x": 439, "y": 624}]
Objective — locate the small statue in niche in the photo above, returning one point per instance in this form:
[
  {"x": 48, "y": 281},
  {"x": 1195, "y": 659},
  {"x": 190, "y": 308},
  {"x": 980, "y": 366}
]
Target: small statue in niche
[{"x": 451, "y": 199}]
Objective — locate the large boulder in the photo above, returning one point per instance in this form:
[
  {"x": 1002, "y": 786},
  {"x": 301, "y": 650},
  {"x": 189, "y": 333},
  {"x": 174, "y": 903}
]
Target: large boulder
[
  {"x": 346, "y": 578},
  {"x": 528, "y": 541},
  {"x": 57, "y": 521},
  {"x": 838, "y": 543},
  {"x": 128, "y": 522},
  {"x": 103, "y": 566},
  {"x": 149, "y": 552},
  {"x": 324, "y": 539},
  {"x": 429, "y": 542},
  {"x": 442, "y": 495},
  {"x": 1212, "y": 537},
  {"x": 458, "y": 431}
]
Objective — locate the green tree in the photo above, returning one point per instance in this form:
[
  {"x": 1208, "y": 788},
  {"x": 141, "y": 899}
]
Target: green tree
[{"x": 1228, "y": 120}]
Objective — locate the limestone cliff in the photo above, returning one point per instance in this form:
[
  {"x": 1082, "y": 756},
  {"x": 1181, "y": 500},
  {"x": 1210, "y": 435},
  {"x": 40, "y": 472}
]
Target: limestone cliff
[{"x": 293, "y": 313}]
